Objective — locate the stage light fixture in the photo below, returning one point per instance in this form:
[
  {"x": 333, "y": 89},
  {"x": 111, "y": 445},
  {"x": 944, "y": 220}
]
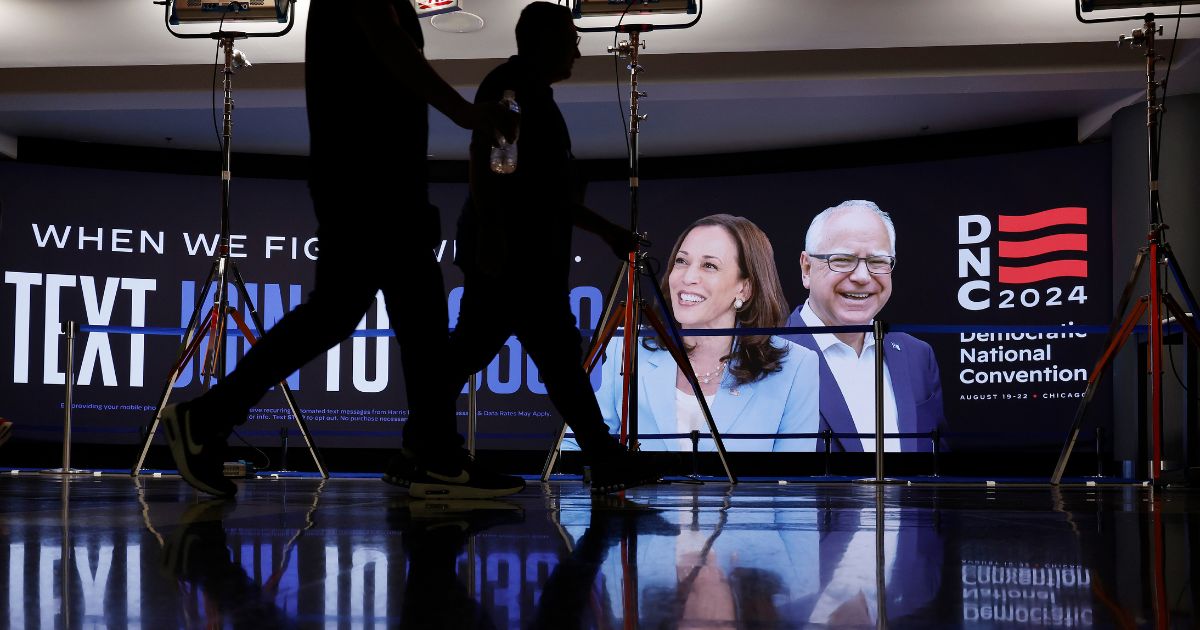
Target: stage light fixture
[
  {"x": 586, "y": 8},
  {"x": 192, "y": 11},
  {"x": 1103, "y": 5}
]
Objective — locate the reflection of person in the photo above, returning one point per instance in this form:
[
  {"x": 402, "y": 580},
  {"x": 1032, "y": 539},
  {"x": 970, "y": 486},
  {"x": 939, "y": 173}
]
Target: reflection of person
[
  {"x": 434, "y": 534},
  {"x": 569, "y": 599},
  {"x": 722, "y": 275},
  {"x": 849, "y": 253},
  {"x": 530, "y": 212},
  {"x": 373, "y": 217},
  {"x": 197, "y": 553}
]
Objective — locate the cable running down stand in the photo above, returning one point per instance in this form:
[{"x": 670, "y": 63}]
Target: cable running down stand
[
  {"x": 212, "y": 322},
  {"x": 629, "y": 313},
  {"x": 1162, "y": 263}
]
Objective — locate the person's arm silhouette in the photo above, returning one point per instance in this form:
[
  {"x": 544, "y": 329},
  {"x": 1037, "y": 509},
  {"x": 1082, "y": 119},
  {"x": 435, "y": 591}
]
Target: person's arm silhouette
[{"x": 619, "y": 238}]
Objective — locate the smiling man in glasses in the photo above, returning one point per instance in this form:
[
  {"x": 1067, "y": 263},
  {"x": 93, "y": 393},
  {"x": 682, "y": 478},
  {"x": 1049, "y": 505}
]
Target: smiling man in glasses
[{"x": 848, "y": 258}]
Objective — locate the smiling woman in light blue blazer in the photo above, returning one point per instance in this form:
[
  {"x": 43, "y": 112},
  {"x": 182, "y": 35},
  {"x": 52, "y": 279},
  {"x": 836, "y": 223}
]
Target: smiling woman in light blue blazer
[{"x": 722, "y": 275}]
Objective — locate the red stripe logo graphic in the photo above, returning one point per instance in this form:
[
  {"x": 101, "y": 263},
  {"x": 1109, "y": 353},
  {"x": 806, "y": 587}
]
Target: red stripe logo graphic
[
  {"x": 1044, "y": 245},
  {"x": 1043, "y": 219},
  {"x": 1016, "y": 227},
  {"x": 1044, "y": 271}
]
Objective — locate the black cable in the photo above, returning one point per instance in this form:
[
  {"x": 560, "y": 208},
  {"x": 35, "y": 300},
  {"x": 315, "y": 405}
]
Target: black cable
[
  {"x": 1167, "y": 78},
  {"x": 617, "y": 75},
  {"x": 260, "y": 451},
  {"x": 653, "y": 265},
  {"x": 216, "y": 55},
  {"x": 1158, "y": 146},
  {"x": 1175, "y": 371}
]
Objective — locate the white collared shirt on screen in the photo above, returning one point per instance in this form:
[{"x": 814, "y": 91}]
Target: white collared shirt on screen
[
  {"x": 690, "y": 417},
  {"x": 855, "y": 376}
]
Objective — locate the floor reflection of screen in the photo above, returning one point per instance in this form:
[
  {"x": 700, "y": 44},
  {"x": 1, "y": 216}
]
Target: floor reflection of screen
[{"x": 1026, "y": 593}]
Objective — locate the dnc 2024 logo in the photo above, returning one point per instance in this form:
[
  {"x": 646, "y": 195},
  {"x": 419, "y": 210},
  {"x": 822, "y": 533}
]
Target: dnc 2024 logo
[{"x": 1030, "y": 251}]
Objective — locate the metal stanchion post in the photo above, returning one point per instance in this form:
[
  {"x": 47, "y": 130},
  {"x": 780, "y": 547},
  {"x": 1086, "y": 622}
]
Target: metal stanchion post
[
  {"x": 879, "y": 444},
  {"x": 877, "y": 335},
  {"x": 937, "y": 451},
  {"x": 283, "y": 448},
  {"x": 695, "y": 476},
  {"x": 68, "y": 402},
  {"x": 472, "y": 413},
  {"x": 827, "y": 437}
]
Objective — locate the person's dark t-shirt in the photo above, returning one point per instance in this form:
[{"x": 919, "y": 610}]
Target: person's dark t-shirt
[
  {"x": 366, "y": 128},
  {"x": 533, "y": 203}
]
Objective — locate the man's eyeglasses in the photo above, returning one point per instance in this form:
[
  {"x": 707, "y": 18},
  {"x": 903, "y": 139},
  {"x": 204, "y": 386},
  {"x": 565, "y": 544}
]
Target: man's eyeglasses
[
  {"x": 845, "y": 263},
  {"x": 578, "y": 38}
]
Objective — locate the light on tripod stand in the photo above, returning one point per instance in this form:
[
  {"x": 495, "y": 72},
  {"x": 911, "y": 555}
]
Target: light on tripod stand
[
  {"x": 1106, "y": 8},
  {"x": 1099, "y": 5},
  {"x": 583, "y": 8},
  {"x": 186, "y": 11},
  {"x": 240, "y": 60},
  {"x": 224, "y": 278}
]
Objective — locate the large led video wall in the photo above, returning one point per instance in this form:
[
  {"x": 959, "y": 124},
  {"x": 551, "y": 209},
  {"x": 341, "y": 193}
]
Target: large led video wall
[{"x": 1014, "y": 239}]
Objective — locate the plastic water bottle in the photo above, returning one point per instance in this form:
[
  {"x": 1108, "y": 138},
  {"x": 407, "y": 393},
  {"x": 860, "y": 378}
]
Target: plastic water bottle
[{"x": 504, "y": 153}]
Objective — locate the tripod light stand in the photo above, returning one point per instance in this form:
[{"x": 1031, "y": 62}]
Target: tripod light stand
[
  {"x": 212, "y": 322},
  {"x": 1162, "y": 263},
  {"x": 630, "y": 312}
]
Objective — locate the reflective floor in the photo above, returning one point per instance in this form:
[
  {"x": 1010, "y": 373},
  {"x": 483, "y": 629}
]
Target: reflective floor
[{"x": 118, "y": 553}]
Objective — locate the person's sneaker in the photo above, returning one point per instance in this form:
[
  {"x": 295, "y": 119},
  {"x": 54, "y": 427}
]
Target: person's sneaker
[
  {"x": 621, "y": 470},
  {"x": 198, "y": 448},
  {"x": 452, "y": 476},
  {"x": 196, "y": 549},
  {"x": 466, "y": 516},
  {"x": 5, "y": 430},
  {"x": 400, "y": 470}
]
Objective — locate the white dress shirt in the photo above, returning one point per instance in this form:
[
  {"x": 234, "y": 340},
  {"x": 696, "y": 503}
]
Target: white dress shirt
[
  {"x": 855, "y": 376},
  {"x": 690, "y": 417}
]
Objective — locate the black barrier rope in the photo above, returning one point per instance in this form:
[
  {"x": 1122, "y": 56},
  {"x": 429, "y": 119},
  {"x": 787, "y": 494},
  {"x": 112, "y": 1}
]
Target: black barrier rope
[
  {"x": 825, "y": 436},
  {"x": 716, "y": 332}
]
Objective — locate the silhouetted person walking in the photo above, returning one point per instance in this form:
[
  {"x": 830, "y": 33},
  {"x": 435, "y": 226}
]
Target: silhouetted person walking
[
  {"x": 514, "y": 245},
  {"x": 376, "y": 227}
]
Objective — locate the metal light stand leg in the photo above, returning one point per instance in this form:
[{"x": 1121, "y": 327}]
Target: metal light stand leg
[
  {"x": 223, "y": 273},
  {"x": 1159, "y": 253},
  {"x": 190, "y": 341},
  {"x": 629, "y": 358},
  {"x": 1116, "y": 330},
  {"x": 673, "y": 344},
  {"x": 613, "y": 314},
  {"x": 633, "y": 302},
  {"x": 671, "y": 338},
  {"x": 632, "y": 270},
  {"x": 288, "y": 396},
  {"x": 1115, "y": 342},
  {"x": 68, "y": 401},
  {"x": 877, "y": 336}
]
